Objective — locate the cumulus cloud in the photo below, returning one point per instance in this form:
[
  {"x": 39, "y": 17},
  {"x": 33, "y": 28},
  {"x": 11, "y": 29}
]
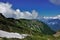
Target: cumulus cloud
[
  {"x": 12, "y": 35},
  {"x": 57, "y": 2},
  {"x": 34, "y": 14},
  {"x": 54, "y": 17},
  {"x": 8, "y": 12}
]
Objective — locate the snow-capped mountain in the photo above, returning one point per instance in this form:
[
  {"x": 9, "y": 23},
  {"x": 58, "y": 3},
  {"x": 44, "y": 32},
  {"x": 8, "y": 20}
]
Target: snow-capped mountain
[{"x": 53, "y": 22}]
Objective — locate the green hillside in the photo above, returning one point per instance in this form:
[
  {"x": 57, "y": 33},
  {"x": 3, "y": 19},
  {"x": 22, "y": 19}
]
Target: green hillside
[{"x": 37, "y": 29}]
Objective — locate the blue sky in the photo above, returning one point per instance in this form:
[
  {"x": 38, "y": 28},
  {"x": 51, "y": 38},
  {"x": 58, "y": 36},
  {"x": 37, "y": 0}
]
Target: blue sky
[{"x": 43, "y": 7}]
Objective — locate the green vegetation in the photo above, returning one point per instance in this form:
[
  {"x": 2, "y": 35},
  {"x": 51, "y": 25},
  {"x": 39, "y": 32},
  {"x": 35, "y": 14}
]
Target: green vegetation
[{"x": 37, "y": 29}]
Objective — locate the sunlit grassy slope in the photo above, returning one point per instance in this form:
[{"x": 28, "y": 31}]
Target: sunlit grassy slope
[{"x": 36, "y": 29}]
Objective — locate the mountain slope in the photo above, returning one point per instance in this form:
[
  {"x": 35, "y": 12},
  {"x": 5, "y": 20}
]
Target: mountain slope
[{"x": 32, "y": 27}]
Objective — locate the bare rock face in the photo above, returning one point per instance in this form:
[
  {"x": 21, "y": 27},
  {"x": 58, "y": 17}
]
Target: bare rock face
[{"x": 57, "y": 34}]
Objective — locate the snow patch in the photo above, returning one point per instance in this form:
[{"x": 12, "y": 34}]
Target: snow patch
[{"x": 12, "y": 35}]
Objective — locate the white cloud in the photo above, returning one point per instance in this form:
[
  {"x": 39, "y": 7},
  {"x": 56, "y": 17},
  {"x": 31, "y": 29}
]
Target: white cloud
[
  {"x": 34, "y": 14},
  {"x": 12, "y": 35},
  {"x": 52, "y": 23},
  {"x": 8, "y": 12},
  {"x": 57, "y": 2},
  {"x": 4, "y": 7},
  {"x": 54, "y": 17}
]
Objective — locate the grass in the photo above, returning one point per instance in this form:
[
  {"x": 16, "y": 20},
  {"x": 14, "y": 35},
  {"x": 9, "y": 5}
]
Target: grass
[{"x": 37, "y": 29}]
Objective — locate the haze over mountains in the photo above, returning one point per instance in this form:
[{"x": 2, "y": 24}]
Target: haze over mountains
[{"x": 53, "y": 22}]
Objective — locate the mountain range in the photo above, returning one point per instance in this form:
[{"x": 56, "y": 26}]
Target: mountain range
[
  {"x": 37, "y": 30},
  {"x": 53, "y": 22}
]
